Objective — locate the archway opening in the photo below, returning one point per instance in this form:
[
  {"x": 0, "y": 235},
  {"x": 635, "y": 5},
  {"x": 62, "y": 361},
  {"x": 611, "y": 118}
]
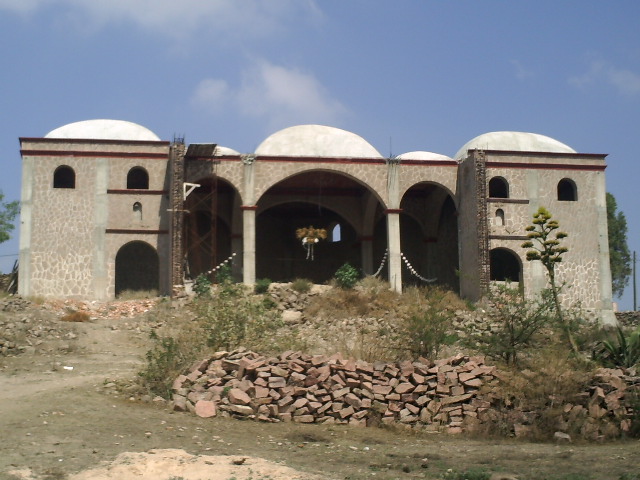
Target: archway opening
[
  {"x": 207, "y": 226},
  {"x": 321, "y": 199},
  {"x": 504, "y": 266},
  {"x": 429, "y": 235},
  {"x": 137, "y": 268}
]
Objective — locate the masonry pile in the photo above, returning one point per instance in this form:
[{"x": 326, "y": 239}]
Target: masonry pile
[{"x": 329, "y": 389}]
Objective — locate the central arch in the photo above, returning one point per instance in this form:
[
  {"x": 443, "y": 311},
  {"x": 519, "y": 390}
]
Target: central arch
[{"x": 322, "y": 199}]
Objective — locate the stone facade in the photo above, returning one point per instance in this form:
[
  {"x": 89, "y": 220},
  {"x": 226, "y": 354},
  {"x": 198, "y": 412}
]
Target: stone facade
[{"x": 419, "y": 216}]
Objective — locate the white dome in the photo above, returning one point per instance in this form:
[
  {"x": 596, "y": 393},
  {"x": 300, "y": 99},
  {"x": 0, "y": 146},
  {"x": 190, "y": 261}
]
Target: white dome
[
  {"x": 514, "y": 141},
  {"x": 103, "y": 130},
  {"x": 220, "y": 151},
  {"x": 316, "y": 141},
  {"x": 422, "y": 155}
]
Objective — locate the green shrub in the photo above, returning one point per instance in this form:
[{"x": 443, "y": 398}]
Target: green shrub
[
  {"x": 223, "y": 274},
  {"x": 301, "y": 285},
  {"x": 347, "y": 276},
  {"x": 621, "y": 351},
  {"x": 202, "y": 285},
  {"x": 262, "y": 285},
  {"x": 519, "y": 320},
  {"x": 429, "y": 325},
  {"x": 165, "y": 361}
]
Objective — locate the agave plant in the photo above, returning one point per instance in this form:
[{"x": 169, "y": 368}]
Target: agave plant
[{"x": 623, "y": 352}]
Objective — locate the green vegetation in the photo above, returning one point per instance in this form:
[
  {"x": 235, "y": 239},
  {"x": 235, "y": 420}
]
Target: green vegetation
[
  {"x": 347, "y": 276},
  {"x": 519, "y": 323},
  {"x": 301, "y": 285},
  {"x": 428, "y": 327},
  {"x": 262, "y": 285},
  {"x": 545, "y": 245},
  {"x": 619, "y": 256},
  {"x": 202, "y": 285},
  {"x": 8, "y": 213},
  {"x": 621, "y": 351}
]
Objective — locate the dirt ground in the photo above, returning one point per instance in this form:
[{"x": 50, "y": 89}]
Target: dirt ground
[{"x": 61, "y": 414}]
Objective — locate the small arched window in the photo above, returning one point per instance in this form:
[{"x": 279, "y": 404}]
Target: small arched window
[
  {"x": 498, "y": 188},
  {"x": 500, "y": 217},
  {"x": 64, "y": 177},
  {"x": 137, "y": 212},
  {"x": 137, "y": 179},
  {"x": 567, "y": 190},
  {"x": 335, "y": 232}
]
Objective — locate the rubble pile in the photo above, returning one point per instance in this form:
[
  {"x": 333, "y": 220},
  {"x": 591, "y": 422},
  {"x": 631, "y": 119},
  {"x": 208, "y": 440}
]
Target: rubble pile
[{"x": 444, "y": 395}]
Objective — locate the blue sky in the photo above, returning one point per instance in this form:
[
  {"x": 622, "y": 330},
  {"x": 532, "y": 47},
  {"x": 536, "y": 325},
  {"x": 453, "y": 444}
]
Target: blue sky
[{"x": 405, "y": 75}]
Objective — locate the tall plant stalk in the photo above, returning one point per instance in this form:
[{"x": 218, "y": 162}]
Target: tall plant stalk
[{"x": 544, "y": 244}]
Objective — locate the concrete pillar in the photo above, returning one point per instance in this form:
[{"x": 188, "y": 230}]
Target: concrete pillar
[
  {"x": 607, "y": 317},
  {"x": 393, "y": 243},
  {"x": 99, "y": 272},
  {"x": 26, "y": 205},
  {"x": 249, "y": 244}
]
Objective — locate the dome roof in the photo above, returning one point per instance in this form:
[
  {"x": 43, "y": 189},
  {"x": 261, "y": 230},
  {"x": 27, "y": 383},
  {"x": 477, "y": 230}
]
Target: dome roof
[
  {"x": 422, "y": 155},
  {"x": 316, "y": 141},
  {"x": 514, "y": 141},
  {"x": 220, "y": 151},
  {"x": 103, "y": 130}
]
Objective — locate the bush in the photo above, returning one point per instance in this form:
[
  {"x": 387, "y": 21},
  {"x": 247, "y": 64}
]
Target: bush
[
  {"x": 428, "y": 328},
  {"x": 621, "y": 351},
  {"x": 347, "y": 276},
  {"x": 202, "y": 285},
  {"x": 301, "y": 285},
  {"x": 519, "y": 320},
  {"x": 262, "y": 285}
]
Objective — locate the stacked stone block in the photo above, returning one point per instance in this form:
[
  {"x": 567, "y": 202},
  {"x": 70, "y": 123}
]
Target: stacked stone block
[{"x": 302, "y": 388}]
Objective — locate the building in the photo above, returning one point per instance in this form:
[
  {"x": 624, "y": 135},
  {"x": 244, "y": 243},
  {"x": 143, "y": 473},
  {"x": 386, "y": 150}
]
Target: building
[{"x": 107, "y": 206}]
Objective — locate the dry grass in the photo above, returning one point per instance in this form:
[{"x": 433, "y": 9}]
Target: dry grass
[{"x": 78, "y": 317}]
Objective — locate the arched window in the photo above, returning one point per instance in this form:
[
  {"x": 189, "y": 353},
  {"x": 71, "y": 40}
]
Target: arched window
[
  {"x": 500, "y": 217},
  {"x": 335, "y": 232},
  {"x": 64, "y": 177},
  {"x": 567, "y": 190},
  {"x": 137, "y": 268},
  {"x": 137, "y": 179},
  {"x": 504, "y": 265},
  {"x": 498, "y": 188},
  {"x": 137, "y": 212}
]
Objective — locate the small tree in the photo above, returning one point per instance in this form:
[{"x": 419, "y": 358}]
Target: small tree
[
  {"x": 544, "y": 245},
  {"x": 518, "y": 321},
  {"x": 619, "y": 256},
  {"x": 8, "y": 213}
]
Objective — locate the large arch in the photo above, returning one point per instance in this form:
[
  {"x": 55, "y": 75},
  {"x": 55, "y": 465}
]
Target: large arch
[
  {"x": 321, "y": 199},
  {"x": 137, "y": 268},
  {"x": 429, "y": 235},
  {"x": 211, "y": 225}
]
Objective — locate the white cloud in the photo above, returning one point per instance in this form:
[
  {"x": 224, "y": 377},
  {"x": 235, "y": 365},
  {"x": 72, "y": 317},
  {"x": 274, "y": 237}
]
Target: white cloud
[
  {"x": 277, "y": 95},
  {"x": 624, "y": 81},
  {"x": 177, "y": 18}
]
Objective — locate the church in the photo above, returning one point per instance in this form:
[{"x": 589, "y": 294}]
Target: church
[{"x": 107, "y": 206}]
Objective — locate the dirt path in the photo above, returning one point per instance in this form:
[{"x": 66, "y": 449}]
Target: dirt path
[{"x": 57, "y": 421}]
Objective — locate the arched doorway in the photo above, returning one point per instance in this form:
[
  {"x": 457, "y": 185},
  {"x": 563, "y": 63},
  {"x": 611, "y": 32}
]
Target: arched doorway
[
  {"x": 208, "y": 225},
  {"x": 137, "y": 268},
  {"x": 504, "y": 266},
  {"x": 429, "y": 235},
  {"x": 321, "y": 199}
]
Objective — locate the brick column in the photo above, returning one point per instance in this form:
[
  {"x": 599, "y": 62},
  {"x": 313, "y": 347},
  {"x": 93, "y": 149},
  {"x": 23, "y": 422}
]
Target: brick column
[{"x": 176, "y": 164}]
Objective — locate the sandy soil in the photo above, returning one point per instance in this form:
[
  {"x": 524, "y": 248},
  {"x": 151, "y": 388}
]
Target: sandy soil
[{"x": 62, "y": 418}]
